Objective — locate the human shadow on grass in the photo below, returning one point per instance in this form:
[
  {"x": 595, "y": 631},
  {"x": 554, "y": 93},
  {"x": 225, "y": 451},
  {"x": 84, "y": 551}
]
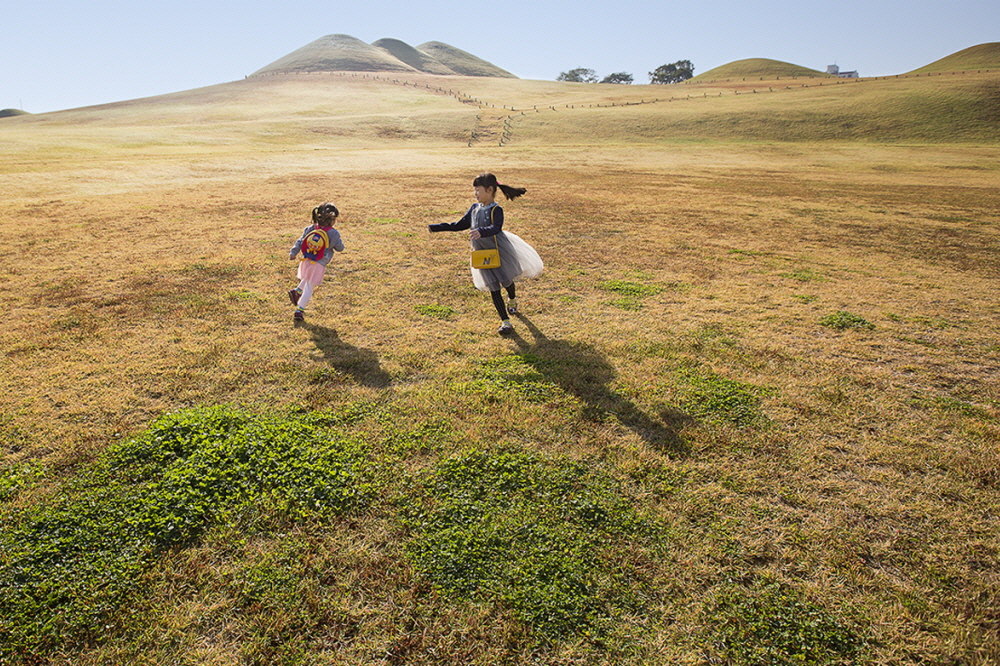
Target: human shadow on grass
[
  {"x": 360, "y": 364},
  {"x": 582, "y": 371}
]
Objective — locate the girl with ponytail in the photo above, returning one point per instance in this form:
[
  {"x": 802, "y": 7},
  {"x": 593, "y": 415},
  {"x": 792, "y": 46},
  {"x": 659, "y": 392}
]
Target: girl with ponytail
[
  {"x": 518, "y": 260},
  {"x": 317, "y": 245}
]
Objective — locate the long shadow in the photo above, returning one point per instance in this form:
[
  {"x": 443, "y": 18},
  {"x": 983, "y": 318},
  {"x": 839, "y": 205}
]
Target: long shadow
[
  {"x": 361, "y": 364},
  {"x": 581, "y": 370}
]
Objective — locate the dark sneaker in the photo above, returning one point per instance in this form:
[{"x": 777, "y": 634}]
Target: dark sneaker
[
  {"x": 299, "y": 315},
  {"x": 505, "y": 328},
  {"x": 293, "y": 296}
]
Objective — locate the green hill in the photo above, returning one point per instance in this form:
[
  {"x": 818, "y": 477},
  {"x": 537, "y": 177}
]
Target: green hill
[
  {"x": 8, "y": 113},
  {"x": 761, "y": 68},
  {"x": 983, "y": 56}
]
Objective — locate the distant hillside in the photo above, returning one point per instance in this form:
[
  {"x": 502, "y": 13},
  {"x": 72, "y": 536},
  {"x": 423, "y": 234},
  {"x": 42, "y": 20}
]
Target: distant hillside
[
  {"x": 7, "y": 113},
  {"x": 418, "y": 60},
  {"x": 415, "y": 107},
  {"x": 339, "y": 53},
  {"x": 343, "y": 53},
  {"x": 983, "y": 56},
  {"x": 757, "y": 67},
  {"x": 461, "y": 62}
]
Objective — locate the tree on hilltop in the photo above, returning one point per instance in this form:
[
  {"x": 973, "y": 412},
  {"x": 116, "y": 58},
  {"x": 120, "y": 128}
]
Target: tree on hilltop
[
  {"x": 618, "y": 77},
  {"x": 578, "y": 75},
  {"x": 675, "y": 72}
]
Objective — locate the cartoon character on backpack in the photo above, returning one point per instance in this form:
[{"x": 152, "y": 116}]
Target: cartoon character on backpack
[{"x": 314, "y": 244}]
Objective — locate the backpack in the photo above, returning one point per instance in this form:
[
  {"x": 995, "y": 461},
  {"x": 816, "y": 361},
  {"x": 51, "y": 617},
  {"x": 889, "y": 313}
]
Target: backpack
[{"x": 315, "y": 243}]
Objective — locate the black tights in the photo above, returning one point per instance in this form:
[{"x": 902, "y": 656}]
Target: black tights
[{"x": 498, "y": 300}]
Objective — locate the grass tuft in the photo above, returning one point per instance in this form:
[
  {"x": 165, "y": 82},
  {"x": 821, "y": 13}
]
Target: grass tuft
[
  {"x": 631, "y": 293},
  {"x": 773, "y": 625},
  {"x": 715, "y": 398},
  {"x": 435, "y": 310},
  {"x": 843, "y": 320}
]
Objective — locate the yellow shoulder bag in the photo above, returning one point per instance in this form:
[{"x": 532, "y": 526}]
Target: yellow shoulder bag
[{"x": 490, "y": 258}]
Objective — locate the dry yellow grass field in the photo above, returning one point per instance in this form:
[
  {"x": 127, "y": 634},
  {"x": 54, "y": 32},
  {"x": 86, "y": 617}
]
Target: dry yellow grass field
[{"x": 769, "y": 317}]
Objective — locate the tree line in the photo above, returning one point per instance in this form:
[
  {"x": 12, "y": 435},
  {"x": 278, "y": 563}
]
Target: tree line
[{"x": 674, "y": 72}]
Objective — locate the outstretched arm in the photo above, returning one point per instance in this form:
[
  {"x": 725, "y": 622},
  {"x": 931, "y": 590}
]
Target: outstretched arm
[{"x": 464, "y": 223}]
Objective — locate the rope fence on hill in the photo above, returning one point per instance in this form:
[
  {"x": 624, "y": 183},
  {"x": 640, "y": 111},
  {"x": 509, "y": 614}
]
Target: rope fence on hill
[{"x": 483, "y": 129}]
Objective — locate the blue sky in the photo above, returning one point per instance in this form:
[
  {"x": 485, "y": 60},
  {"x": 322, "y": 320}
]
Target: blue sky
[{"x": 61, "y": 54}]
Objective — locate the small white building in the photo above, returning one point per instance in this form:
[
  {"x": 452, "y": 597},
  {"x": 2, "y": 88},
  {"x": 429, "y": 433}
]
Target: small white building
[{"x": 835, "y": 70}]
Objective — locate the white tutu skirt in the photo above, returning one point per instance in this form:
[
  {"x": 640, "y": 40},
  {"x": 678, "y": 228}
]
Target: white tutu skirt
[
  {"x": 517, "y": 260},
  {"x": 311, "y": 272}
]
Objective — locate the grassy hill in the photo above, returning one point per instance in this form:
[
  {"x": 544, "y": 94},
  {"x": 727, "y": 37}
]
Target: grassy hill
[
  {"x": 336, "y": 53},
  {"x": 761, "y": 68},
  {"x": 749, "y": 414},
  {"x": 982, "y": 56},
  {"x": 343, "y": 53},
  {"x": 414, "y": 58},
  {"x": 461, "y": 62},
  {"x": 351, "y": 108}
]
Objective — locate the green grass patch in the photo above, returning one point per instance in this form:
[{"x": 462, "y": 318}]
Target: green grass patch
[
  {"x": 956, "y": 406},
  {"x": 843, "y": 320},
  {"x": 71, "y": 562},
  {"x": 711, "y": 397},
  {"x": 435, "y": 310},
  {"x": 628, "y": 288},
  {"x": 19, "y": 477},
  {"x": 631, "y": 293},
  {"x": 713, "y": 333},
  {"x": 630, "y": 303},
  {"x": 535, "y": 536},
  {"x": 774, "y": 625}
]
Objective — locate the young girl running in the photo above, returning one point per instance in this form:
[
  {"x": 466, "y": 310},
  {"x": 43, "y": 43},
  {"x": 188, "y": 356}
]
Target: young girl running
[
  {"x": 517, "y": 258},
  {"x": 317, "y": 244}
]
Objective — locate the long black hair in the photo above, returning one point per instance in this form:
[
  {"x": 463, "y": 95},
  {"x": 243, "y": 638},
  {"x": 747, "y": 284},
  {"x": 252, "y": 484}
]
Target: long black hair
[{"x": 489, "y": 180}]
